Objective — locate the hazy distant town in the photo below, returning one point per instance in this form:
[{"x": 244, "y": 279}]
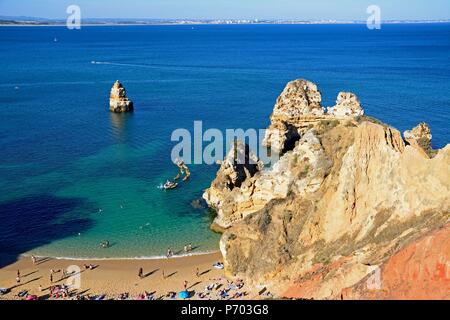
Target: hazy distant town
[{"x": 34, "y": 21}]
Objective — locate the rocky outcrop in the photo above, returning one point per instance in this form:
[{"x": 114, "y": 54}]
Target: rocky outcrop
[
  {"x": 347, "y": 105},
  {"x": 118, "y": 100},
  {"x": 299, "y": 108},
  {"x": 232, "y": 181},
  {"x": 345, "y": 197},
  {"x": 421, "y": 131},
  {"x": 252, "y": 190},
  {"x": 420, "y": 138},
  {"x": 299, "y": 99}
]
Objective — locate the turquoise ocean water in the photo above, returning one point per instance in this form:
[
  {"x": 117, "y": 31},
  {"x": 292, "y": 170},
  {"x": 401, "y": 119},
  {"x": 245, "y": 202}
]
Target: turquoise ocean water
[{"x": 72, "y": 174}]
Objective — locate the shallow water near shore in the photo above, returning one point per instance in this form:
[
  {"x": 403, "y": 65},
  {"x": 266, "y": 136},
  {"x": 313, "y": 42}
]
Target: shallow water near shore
[{"x": 72, "y": 174}]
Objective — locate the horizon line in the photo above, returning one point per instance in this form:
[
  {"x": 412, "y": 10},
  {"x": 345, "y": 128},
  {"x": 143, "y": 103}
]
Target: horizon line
[{"x": 22, "y": 17}]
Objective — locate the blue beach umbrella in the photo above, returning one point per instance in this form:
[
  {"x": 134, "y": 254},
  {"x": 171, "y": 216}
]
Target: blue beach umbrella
[{"x": 183, "y": 295}]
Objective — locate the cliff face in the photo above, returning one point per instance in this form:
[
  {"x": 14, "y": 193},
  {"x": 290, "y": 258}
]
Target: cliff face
[
  {"x": 419, "y": 271},
  {"x": 347, "y": 194}
]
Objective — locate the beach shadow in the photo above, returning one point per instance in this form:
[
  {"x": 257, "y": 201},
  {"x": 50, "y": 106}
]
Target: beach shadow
[
  {"x": 194, "y": 285},
  {"x": 68, "y": 276},
  {"x": 150, "y": 273},
  {"x": 43, "y": 260},
  {"x": 34, "y": 221},
  {"x": 172, "y": 274},
  {"x": 83, "y": 292},
  {"x": 205, "y": 272},
  {"x": 24, "y": 283},
  {"x": 29, "y": 274}
]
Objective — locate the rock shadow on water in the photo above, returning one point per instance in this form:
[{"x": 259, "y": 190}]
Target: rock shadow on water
[
  {"x": 119, "y": 126},
  {"x": 34, "y": 221}
]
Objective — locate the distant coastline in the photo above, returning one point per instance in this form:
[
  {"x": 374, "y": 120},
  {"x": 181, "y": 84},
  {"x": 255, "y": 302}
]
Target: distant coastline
[{"x": 40, "y": 22}]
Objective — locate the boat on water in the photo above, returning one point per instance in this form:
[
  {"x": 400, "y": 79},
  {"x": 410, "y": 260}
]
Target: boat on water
[{"x": 170, "y": 185}]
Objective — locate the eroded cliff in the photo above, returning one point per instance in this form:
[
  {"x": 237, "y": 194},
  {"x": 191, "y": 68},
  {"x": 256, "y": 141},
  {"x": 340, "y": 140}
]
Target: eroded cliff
[{"x": 347, "y": 194}]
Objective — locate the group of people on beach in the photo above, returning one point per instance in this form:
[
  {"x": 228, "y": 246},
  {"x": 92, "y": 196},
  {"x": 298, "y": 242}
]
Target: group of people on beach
[
  {"x": 187, "y": 248},
  {"x": 220, "y": 288}
]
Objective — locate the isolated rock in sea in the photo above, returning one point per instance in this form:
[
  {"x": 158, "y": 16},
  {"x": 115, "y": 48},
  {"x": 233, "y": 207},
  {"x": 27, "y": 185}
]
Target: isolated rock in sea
[
  {"x": 345, "y": 197},
  {"x": 347, "y": 105},
  {"x": 118, "y": 100}
]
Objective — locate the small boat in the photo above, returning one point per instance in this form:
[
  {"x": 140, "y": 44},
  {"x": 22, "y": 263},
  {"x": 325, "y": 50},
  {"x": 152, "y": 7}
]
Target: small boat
[{"x": 170, "y": 185}]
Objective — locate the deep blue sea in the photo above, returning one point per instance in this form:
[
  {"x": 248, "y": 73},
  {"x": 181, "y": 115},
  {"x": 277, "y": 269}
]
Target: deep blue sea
[{"x": 72, "y": 174}]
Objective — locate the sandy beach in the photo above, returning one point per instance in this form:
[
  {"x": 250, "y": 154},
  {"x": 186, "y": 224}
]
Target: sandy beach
[{"x": 115, "y": 277}]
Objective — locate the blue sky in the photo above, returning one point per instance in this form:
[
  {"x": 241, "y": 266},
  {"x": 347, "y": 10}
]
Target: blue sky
[{"x": 217, "y": 9}]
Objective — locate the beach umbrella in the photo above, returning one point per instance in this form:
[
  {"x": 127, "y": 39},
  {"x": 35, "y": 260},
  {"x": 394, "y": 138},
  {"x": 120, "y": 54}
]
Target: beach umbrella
[{"x": 183, "y": 295}]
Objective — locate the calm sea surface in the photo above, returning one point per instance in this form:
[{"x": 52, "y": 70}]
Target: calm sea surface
[{"x": 72, "y": 174}]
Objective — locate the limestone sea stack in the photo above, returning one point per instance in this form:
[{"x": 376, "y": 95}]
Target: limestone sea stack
[
  {"x": 347, "y": 105},
  {"x": 118, "y": 100},
  {"x": 350, "y": 210}
]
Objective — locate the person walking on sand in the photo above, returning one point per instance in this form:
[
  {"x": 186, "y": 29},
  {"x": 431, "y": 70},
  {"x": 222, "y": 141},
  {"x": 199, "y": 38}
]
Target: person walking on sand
[
  {"x": 185, "y": 284},
  {"x": 51, "y": 277},
  {"x": 197, "y": 273},
  {"x": 141, "y": 273},
  {"x": 164, "y": 275},
  {"x": 18, "y": 276},
  {"x": 33, "y": 259}
]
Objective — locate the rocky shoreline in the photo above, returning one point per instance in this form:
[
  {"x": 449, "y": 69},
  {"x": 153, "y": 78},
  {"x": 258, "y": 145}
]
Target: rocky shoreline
[{"x": 348, "y": 196}]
